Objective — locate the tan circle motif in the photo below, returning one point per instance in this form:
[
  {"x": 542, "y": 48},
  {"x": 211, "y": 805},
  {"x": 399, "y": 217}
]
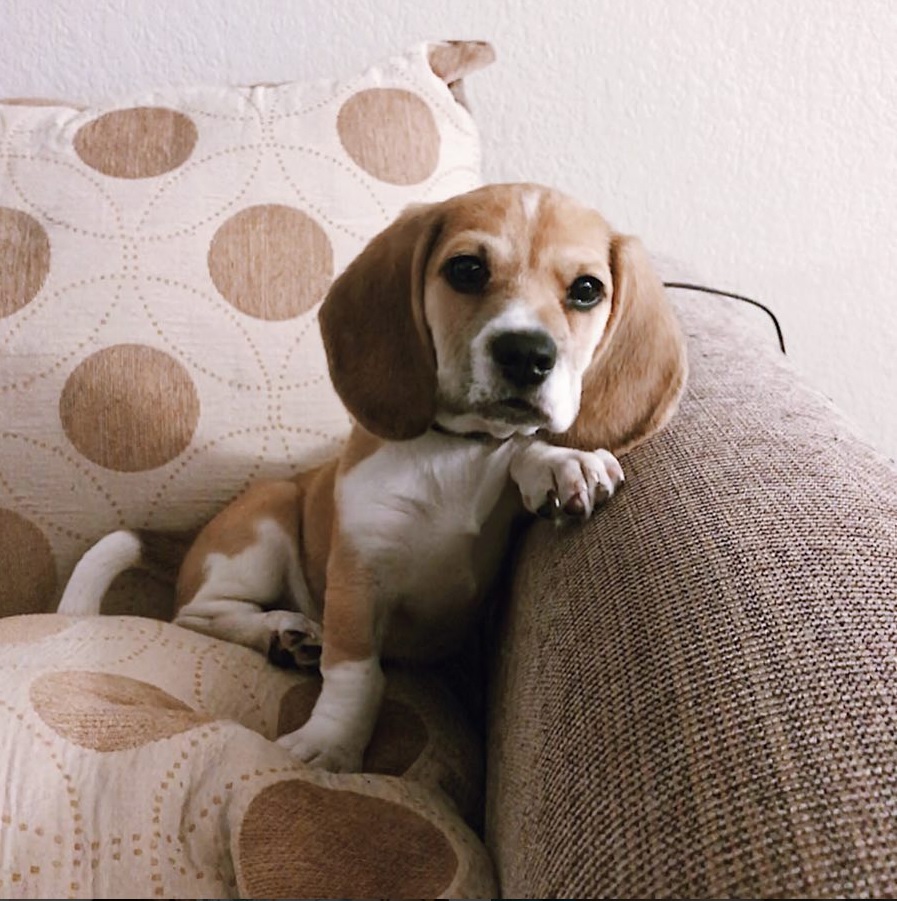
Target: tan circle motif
[
  {"x": 129, "y": 408},
  {"x": 271, "y": 261},
  {"x": 24, "y": 259},
  {"x": 31, "y": 627},
  {"x": 106, "y": 712},
  {"x": 399, "y": 738},
  {"x": 300, "y": 840},
  {"x": 27, "y": 567},
  {"x": 136, "y": 143},
  {"x": 369, "y": 123}
]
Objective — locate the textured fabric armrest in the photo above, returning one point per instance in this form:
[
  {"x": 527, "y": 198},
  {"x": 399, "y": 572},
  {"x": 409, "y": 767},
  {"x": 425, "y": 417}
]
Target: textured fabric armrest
[{"x": 695, "y": 693}]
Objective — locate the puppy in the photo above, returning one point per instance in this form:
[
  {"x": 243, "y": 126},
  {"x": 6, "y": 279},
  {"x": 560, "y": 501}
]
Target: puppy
[{"x": 495, "y": 350}]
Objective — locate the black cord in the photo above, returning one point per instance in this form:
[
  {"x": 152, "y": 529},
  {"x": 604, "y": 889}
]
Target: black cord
[{"x": 756, "y": 303}]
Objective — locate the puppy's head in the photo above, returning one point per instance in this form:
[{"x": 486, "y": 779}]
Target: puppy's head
[{"x": 510, "y": 309}]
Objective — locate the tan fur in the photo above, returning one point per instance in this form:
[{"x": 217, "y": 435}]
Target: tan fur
[
  {"x": 350, "y": 618},
  {"x": 317, "y": 524},
  {"x": 364, "y": 326},
  {"x": 328, "y": 562},
  {"x": 638, "y": 373}
]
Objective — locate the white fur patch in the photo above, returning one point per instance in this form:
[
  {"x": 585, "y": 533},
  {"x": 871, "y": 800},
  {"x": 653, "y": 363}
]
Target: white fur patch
[
  {"x": 246, "y": 623},
  {"x": 259, "y": 572},
  {"x": 343, "y": 718},
  {"x": 590, "y": 477},
  {"x": 532, "y": 200},
  {"x": 415, "y": 511},
  {"x": 411, "y": 493}
]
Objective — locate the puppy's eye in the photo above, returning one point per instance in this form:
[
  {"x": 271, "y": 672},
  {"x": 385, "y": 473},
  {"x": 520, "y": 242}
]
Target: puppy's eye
[
  {"x": 585, "y": 292},
  {"x": 467, "y": 274}
]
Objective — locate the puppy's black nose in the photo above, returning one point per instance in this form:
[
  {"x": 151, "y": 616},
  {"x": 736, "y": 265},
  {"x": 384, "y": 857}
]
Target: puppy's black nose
[{"x": 524, "y": 358}]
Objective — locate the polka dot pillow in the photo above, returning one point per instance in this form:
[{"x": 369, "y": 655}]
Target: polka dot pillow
[
  {"x": 138, "y": 762},
  {"x": 162, "y": 260}
]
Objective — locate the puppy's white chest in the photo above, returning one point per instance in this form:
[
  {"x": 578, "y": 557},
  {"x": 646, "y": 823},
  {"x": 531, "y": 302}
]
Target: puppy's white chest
[{"x": 415, "y": 510}]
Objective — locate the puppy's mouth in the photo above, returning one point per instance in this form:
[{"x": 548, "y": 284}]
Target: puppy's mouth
[
  {"x": 518, "y": 412},
  {"x": 500, "y": 417},
  {"x": 515, "y": 409}
]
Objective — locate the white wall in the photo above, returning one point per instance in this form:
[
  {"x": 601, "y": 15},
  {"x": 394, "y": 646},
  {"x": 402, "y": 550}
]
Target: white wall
[{"x": 756, "y": 139}]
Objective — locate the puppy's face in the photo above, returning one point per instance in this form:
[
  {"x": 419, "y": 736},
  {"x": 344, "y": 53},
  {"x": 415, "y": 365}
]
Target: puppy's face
[
  {"x": 509, "y": 309},
  {"x": 517, "y": 295}
]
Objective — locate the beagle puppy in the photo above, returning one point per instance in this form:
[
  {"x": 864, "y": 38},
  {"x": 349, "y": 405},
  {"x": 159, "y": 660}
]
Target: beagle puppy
[{"x": 495, "y": 351}]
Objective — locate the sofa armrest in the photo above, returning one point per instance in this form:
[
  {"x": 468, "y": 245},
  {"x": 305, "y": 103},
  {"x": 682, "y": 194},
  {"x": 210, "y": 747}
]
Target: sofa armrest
[{"x": 695, "y": 693}]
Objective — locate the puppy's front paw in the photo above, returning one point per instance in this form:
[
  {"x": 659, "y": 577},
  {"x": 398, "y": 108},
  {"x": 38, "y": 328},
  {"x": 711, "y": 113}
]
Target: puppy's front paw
[
  {"x": 321, "y": 747},
  {"x": 554, "y": 481}
]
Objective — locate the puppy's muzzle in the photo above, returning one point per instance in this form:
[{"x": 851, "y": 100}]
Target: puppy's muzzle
[{"x": 525, "y": 359}]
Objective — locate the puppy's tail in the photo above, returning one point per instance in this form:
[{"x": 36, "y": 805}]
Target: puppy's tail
[{"x": 160, "y": 554}]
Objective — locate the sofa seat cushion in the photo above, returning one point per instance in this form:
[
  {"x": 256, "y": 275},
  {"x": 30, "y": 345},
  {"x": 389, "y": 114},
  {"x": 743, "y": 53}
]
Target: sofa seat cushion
[{"x": 137, "y": 761}]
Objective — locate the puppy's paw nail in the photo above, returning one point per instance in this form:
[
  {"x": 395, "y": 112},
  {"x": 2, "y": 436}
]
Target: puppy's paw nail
[
  {"x": 278, "y": 654},
  {"x": 551, "y": 507},
  {"x": 292, "y": 637},
  {"x": 575, "y": 506}
]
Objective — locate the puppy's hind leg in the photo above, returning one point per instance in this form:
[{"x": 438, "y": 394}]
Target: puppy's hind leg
[
  {"x": 284, "y": 636},
  {"x": 240, "y": 597}
]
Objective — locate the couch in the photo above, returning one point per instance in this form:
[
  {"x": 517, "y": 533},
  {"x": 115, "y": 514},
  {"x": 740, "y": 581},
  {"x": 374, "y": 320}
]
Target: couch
[{"x": 691, "y": 695}]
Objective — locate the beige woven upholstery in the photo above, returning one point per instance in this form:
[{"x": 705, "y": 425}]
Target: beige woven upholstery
[{"x": 696, "y": 693}]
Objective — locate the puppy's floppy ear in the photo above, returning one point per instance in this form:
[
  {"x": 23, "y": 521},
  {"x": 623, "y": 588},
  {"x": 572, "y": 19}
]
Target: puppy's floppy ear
[
  {"x": 379, "y": 349},
  {"x": 638, "y": 372}
]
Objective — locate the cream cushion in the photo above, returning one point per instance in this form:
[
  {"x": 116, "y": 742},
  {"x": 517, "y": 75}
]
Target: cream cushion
[
  {"x": 136, "y": 761},
  {"x": 162, "y": 259}
]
